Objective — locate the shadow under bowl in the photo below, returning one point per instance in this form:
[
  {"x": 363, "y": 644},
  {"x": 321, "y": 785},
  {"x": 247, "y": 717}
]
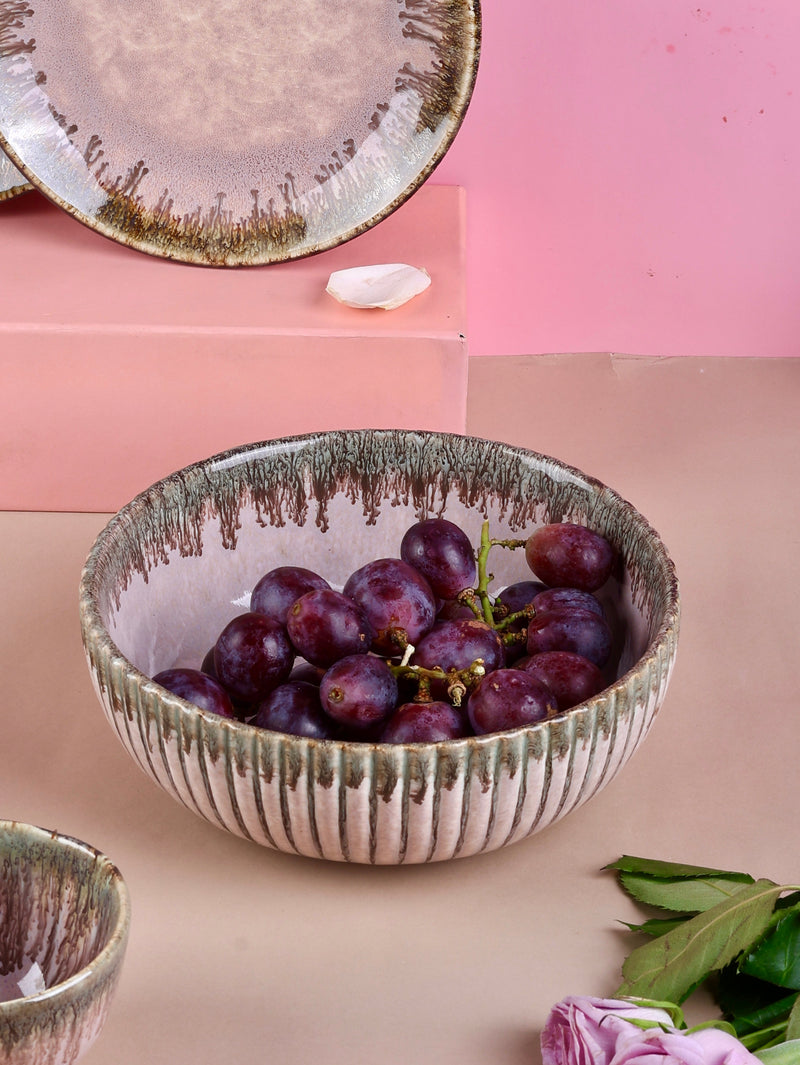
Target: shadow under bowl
[
  {"x": 175, "y": 564},
  {"x": 64, "y": 907}
]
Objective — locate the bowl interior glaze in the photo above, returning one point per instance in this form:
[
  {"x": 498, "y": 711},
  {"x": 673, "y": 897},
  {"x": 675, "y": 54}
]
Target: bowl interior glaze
[{"x": 64, "y": 906}]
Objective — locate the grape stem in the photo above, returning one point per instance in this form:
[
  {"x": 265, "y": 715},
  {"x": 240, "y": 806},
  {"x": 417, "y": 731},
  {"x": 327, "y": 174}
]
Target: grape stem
[
  {"x": 459, "y": 681},
  {"x": 484, "y": 577}
]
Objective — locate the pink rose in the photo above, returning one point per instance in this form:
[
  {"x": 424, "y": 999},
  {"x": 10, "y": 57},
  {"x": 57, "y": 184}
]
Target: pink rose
[
  {"x": 596, "y": 1031},
  {"x": 709, "y": 1046},
  {"x": 585, "y": 1031}
]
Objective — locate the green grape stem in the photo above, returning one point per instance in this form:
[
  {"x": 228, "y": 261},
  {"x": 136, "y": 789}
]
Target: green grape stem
[
  {"x": 458, "y": 681},
  {"x": 484, "y": 577}
]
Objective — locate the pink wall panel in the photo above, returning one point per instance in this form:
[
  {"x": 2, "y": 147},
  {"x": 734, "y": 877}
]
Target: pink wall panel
[{"x": 633, "y": 177}]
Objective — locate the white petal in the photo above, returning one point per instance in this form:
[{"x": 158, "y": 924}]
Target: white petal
[
  {"x": 388, "y": 286},
  {"x": 33, "y": 981}
]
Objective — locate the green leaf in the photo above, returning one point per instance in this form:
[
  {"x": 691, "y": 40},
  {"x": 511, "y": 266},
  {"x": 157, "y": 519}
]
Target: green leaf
[
  {"x": 669, "y": 870},
  {"x": 671, "y": 966},
  {"x": 783, "y": 1054},
  {"x": 793, "y": 1024},
  {"x": 681, "y": 894},
  {"x": 657, "y": 926},
  {"x": 752, "y": 1005},
  {"x": 776, "y": 958}
]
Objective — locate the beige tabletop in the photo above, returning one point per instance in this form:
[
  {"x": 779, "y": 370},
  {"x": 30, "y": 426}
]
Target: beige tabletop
[{"x": 241, "y": 955}]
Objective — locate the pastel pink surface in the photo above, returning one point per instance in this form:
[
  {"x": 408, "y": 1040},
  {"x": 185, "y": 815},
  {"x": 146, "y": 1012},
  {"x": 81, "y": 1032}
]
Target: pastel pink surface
[
  {"x": 632, "y": 173},
  {"x": 119, "y": 368}
]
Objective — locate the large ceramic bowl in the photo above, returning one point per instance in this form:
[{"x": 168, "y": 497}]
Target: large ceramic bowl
[
  {"x": 175, "y": 564},
  {"x": 64, "y": 907}
]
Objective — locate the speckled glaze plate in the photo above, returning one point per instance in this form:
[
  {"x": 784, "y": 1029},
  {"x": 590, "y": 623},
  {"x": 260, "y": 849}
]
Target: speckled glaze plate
[
  {"x": 12, "y": 182},
  {"x": 249, "y": 132}
]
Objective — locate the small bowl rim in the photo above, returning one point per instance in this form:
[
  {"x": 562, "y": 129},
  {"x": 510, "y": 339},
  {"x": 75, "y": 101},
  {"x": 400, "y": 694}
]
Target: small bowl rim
[
  {"x": 106, "y": 958},
  {"x": 96, "y": 634}
]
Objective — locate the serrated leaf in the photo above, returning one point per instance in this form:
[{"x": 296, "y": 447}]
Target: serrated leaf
[
  {"x": 671, "y": 966},
  {"x": 656, "y": 926},
  {"x": 681, "y": 894},
  {"x": 776, "y": 959},
  {"x": 629, "y": 863}
]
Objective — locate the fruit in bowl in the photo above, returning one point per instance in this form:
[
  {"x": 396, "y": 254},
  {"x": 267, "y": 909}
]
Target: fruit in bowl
[{"x": 181, "y": 564}]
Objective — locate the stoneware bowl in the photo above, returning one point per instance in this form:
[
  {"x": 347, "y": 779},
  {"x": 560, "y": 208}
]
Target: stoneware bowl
[
  {"x": 64, "y": 907},
  {"x": 175, "y": 564}
]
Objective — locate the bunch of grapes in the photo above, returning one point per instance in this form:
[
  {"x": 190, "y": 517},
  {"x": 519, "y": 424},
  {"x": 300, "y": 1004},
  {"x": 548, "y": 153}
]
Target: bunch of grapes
[{"x": 415, "y": 648}]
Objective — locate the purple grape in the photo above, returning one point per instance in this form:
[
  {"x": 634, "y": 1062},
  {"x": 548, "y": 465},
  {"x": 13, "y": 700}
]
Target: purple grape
[
  {"x": 359, "y": 691},
  {"x": 508, "y": 698},
  {"x": 430, "y": 722},
  {"x": 294, "y": 707},
  {"x": 393, "y": 596},
  {"x": 207, "y": 665},
  {"x": 307, "y": 673},
  {"x": 571, "y": 678},
  {"x": 457, "y": 645},
  {"x": 565, "y": 555},
  {"x": 581, "y": 631},
  {"x": 197, "y": 687},
  {"x": 442, "y": 553},
  {"x": 566, "y": 598},
  {"x": 325, "y": 625},
  {"x": 517, "y": 596},
  {"x": 280, "y": 588},
  {"x": 454, "y": 610},
  {"x": 252, "y": 656}
]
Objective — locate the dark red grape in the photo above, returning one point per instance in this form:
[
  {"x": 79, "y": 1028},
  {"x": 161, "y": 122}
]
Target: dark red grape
[
  {"x": 294, "y": 707},
  {"x": 566, "y": 598},
  {"x": 517, "y": 596},
  {"x": 570, "y": 677},
  {"x": 454, "y": 610},
  {"x": 394, "y": 596},
  {"x": 569, "y": 556},
  {"x": 281, "y": 587},
  {"x": 306, "y": 672},
  {"x": 457, "y": 645},
  {"x": 430, "y": 722},
  {"x": 581, "y": 631},
  {"x": 325, "y": 625},
  {"x": 252, "y": 656},
  {"x": 197, "y": 687},
  {"x": 359, "y": 691},
  {"x": 512, "y": 600},
  {"x": 508, "y": 698},
  {"x": 207, "y": 665},
  {"x": 442, "y": 553}
]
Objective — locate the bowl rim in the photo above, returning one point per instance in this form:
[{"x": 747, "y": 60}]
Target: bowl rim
[
  {"x": 96, "y": 636},
  {"x": 112, "y": 951}
]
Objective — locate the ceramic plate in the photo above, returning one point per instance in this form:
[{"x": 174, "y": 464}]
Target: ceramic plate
[
  {"x": 248, "y": 132},
  {"x": 12, "y": 183}
]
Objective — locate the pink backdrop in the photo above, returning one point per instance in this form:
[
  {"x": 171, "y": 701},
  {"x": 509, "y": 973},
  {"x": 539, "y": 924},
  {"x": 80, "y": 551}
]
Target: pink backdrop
[{"x": 633, "y": 177}]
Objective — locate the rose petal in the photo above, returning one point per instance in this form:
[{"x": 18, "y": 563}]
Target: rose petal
[{"x": 385, "y": 286}]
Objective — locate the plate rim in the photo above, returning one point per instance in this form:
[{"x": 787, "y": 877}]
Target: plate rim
[{"x": 473, "y": 21}]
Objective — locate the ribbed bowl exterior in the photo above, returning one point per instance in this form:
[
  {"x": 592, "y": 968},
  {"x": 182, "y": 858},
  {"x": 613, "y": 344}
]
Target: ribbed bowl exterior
[
  {"x": 378, "y": 803},
  {"x": 65, "y": 906}
]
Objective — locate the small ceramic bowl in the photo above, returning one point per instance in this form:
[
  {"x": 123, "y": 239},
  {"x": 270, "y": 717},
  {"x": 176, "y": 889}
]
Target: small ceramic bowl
[
  {"x": 64, "y": 916},
  {"x": 175, "y": 564}
]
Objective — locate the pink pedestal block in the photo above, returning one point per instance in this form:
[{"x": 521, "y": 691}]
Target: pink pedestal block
[{"x": 118, "y": 368}]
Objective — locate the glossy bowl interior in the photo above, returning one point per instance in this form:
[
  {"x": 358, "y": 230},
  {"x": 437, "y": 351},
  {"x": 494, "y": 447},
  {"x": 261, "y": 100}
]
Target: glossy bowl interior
[
  {"x": 180, "y": 560},
  {"x": 65, "y": 907}
]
